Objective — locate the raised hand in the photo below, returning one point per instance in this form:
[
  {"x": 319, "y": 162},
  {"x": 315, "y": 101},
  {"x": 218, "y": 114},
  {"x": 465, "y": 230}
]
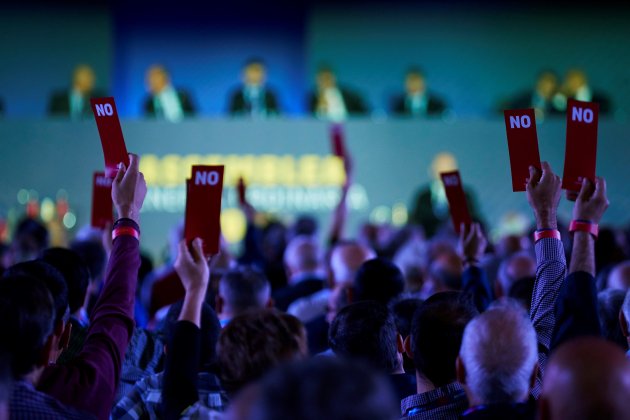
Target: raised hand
[
  {"x": 129, "y": 189},
  {"x": 472, "y": 243},
  {"x": 543, "y": 195},
  {"x": 592, "y": 201}
]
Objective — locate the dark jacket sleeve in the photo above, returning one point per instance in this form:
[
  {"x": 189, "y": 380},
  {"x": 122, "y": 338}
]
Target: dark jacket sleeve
[
  {"x": 475, "y": 284},
  {"x": 576, "y": 309}
]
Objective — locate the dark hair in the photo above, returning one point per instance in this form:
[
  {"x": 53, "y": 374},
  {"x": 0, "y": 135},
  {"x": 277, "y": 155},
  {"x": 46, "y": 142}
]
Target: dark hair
[
  {"x": 94, "y": 256},
  {"x": 378, "y": 279},
  {"x": 74, "y": 270},
  {"x": 522, "y": 291},
  {"x": 610, "y": 303},
  {"x": 366, "y": 331},
  {"x": 210, "y": 329},
  {"x": 242, "y": 288},
  {"x": 324, "y": 388},
  {"x": 403, "y": 311},
  {"x": 304, "y": 225},
  {"x": 436, "y": 335},
  {"x": 27, "y": 313},
  {"x": 254, "y": 61},
  {"x": 415, "y": 71},
  {"x": 53, "y": 280},
  {"x": 30, "y": 238},
  {"x": 251, "y": 345}
]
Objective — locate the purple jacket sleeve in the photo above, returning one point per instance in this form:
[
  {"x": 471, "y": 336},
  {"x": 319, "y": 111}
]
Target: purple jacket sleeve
[{"x": 89, "y": 381}]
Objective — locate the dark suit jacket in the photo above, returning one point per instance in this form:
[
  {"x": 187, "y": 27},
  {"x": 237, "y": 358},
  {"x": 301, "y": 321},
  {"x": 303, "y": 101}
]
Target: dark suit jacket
[
  {"x": 184, "y": 99},
  {"x": 239, "y": 105},
  {"x": 59, "y": 103},
  {"x": 524, "y": 100},
  {"x": 289, "y": 294},
  {"x": 517, "y": 411},
  {"x": 435, "y": 106},
  {"x": 355, "y": 105}
]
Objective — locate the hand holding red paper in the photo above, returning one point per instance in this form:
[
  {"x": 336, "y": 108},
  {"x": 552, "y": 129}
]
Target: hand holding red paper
[
  {"x": 592, "y": 201},
  {"x": 456, "y": 199},
  {"x": 472, "y": 242},
  {"x": 543, "y": 195},
  {"x": 109, "y": 130},
  {"x": 520, "y": 125},
  {"x": 129, "y": 189},
  {"x": 192, "y": 267}
]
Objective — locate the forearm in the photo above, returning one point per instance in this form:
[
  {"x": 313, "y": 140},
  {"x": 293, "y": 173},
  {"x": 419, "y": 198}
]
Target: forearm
[
  {"x": 191, "y": 309},
  {"x": 475, "y": 283},
  {"x": 583, "y": 255}
]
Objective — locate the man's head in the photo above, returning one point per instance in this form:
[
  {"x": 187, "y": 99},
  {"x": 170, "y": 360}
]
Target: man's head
[
  {"x": 609, "y": 308},
  {"x": 27, "y": 313},
  {"x": 325, "y": 78},
  {"x": 415, "y": 83},
  {"x": 75, "y": 272},
  {"x": 241, "y": 289},
  {"x": 254, "y": 73},
  {"x": 378, "y": 279},
  {"x": 83, "y": 79},
  {"x": 499, "y": 357},
  {"x": 512, "y": 269},
  {"x": 624, "y": 318},
  {"x": 302, "y": 256},
  {"x": 252, "y": 344},
  {"x": 586, "y": 378},
  {"x": 366, "y": 331},
  {"x": 547, "y": 84},
  {"x": 442, "y": 162},
  {"x": 574, "y": 80},
  {"x": 619, "y": 277},
  {"x": 29, "y": 240},
  {"x": 436, "y": 336},
  {"x": 445, "y": 273},
  {"x": 157, "y": 78},
  {"x": 345, "y": 260},
  {"x": 94, "y": 255}
]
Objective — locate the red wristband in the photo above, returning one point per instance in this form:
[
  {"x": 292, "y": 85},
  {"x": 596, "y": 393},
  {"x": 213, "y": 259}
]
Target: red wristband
[
  {"x": 125, "y": 230},
  {"x": 547, "y": 233},
  {"x": 584, "y": 226}
]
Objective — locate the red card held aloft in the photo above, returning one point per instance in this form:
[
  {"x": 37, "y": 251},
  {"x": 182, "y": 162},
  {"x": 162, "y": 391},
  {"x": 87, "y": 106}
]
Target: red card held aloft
[
  {"x": 111, "y": 134},
  {"x": 581, "y": 150},
  {"x": 102, "y": 213},
  {"x": 242, "y": 191},
  {"x": 456, "y": 199},
  {"x": 522, "y": 145},
  {"x": 203, "y": 207},
  {"x": 337, "y": 141}
]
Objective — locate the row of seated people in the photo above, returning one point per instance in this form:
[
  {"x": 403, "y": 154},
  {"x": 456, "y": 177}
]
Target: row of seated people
[
  {"x": 447, "y": 328},
  {"x": 329, "y": 100}
]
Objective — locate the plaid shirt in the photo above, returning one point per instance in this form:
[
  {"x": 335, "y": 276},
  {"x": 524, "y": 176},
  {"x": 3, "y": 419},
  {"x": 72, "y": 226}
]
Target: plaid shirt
[
  {"x": 144, "y": 400},
  {"x": 551, "y": 269},
  {"x": 444, "y": 403},
  {"x": 28, "y": 403}
]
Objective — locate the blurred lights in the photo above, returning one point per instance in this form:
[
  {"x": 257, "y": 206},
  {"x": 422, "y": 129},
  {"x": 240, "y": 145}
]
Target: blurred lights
[
  {"x": 22, "y": 196},
  {"x": 69, "y": 220},
  {"x": 47, "y": 210}
]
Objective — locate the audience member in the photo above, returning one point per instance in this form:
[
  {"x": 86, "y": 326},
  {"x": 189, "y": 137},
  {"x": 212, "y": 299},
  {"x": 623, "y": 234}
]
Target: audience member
[
  {"x": 379, "y": 280},
  {"x": 333, "y": 102},
  {"x": 29, "y": 240},
  {"x": 517, "y": 266},
  {"x": 619, "y": 277},
  {"x": 417, "y": 101},
  {"x": 624, "y": 319},
  {"x": 254, "y": 98},
  {"x": 609, "y": 305},
  {"x": 164, "y": 101},
  {"x": 240, "y": 290},
  {"x": 75, "y": 101}
]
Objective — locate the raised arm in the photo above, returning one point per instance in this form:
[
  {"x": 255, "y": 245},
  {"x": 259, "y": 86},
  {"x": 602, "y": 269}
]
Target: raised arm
[
  {"x": 180, "y": 388},
  {"x": 340, "y": 214},
  {"x": 576, "y": 308},
  {"x": 543, "y": 195},
  {"x": 472, "y": 244},
  {"x": 89, "y": 381}
]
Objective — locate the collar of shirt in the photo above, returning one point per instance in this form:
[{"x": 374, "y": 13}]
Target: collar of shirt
[
  {"x": 170, "y": 104},
  {"x": 335, "y": 106},
  {"x": 448, "y": 394}
]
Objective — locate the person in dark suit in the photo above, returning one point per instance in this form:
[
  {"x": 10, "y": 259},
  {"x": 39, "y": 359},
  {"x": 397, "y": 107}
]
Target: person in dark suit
[
  {"x": 75, "y": 102},
  {"x": 576, "y": 86},
  {"x": 164, "y": 101},
  {"x": 417, "y": 101},
  {"x": 333, "y": 102},
  {"x": 254, "y": 98},
  {"x": 542, "y": 98}
]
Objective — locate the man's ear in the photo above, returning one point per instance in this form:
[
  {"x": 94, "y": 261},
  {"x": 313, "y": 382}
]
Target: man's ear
[
  {"x": 400, "y": 344},
  {"x": 407, "y": 347},
  {"x": 48, "y": 352},
  {"x": 64, "y": 341},
  {"x": 623, "y": 323},
  {"x": 460, "y": 370}
]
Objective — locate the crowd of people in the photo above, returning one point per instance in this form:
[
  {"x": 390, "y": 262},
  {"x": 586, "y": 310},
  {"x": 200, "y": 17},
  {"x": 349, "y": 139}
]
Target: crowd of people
[
  {"x": 388, "y": 324},
  {"x": 329, "y": 99}
]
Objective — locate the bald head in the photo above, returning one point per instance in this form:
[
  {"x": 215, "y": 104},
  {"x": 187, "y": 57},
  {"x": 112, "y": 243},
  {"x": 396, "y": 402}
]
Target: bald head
[
  {"x": 587, "y": 378},
  {"x": 303, "y": 255},
  {"x": 619, "y": 277},
  {"x": 346, "y": 258},
  {"x": 498, "y": 357},
  {"x": 514, "y": 268}
]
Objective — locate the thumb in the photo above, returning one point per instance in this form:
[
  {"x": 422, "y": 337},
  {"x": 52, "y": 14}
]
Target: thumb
[
  {"x": 584, "y": 190},
  {"x": 197, "y": 249},
  {"x": 121, "y": 173}
]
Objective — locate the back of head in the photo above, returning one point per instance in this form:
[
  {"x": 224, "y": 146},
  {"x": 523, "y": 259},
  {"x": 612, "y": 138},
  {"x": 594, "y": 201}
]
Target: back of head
[
  {"x": 515, "y": 267},
  {"x": 403, "y": 311},
  {"x": 303, "y": 255},
  {"x": 499, "y": 352},
  {"x": 366, "y": 331},
  {"x": 436, "y": 335},
  {"x": 252, "y": 344},
  {"x": 446, "y": 271},
  {"x": 75, "y": 272},
  {"x": 346, "y": 258},
  {"x": 522, "y": 291},
  {"x": 380, "y": 280},
  {"x": 610, "y": 303},
  {"x": 324, "y": 388},
  {"x": 619, "y": 277},
  {"x": 244, "y": 288},
  {"x": 586, "y": 378},
  {"x": 29, "y": 240},
  {"x": 93, "y": 254},
  {"x": 27, "y": 314},
  {"x": 210, "y": 329},
  {"x": 51, "y": 277}
]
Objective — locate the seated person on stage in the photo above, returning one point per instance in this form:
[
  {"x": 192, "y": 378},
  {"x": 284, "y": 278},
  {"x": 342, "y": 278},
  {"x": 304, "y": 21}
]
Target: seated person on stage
[
  {"x": 417, "y": 101},
  {"x": 430, "y": 207},
  {"x": 75, "y": 101},
  {"x": 541, "y": 98},
  {"x": 333, "y": 102},
  {"x": 254, "y": 98},
  {"x": 164, "y": 101},
  {"x": 576, "y": 86}
]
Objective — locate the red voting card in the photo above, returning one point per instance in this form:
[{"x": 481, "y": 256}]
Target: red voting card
[
  {"x": 522, "y": 144},
  {"x": 242, "y": 189},
  {"x": 456, "y": 199},
  {"x": 337, "y": 140},
  {"x": 581, "y": 149},
  {"x": 111, "y": 134},
  {"x": 101, "y": 201},
  {"x": 203, "y": 207}
]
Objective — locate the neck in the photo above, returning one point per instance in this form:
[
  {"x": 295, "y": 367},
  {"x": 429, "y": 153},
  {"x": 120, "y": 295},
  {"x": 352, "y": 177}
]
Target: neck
[{"x": 423, "y": 384}]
